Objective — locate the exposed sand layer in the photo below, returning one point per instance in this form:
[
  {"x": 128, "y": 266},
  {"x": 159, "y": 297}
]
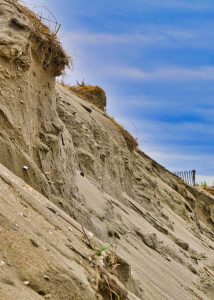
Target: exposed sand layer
[{"x": 66, "y": 172}]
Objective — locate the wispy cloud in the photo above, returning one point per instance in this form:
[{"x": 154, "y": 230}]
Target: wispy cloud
[
  {"x": 158, "y": 36},
  {"x": 162, "y": 73},
  {"x": 104, "y": 39}
]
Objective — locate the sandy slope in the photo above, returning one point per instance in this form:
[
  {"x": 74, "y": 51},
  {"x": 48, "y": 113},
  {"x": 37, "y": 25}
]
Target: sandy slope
[
  {"x": 155, "y": 209},
  {"x": 80, "y": 172},
  {"x": 37, "y": 247}
]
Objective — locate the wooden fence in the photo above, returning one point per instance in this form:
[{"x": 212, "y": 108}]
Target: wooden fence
[{"x": 188, "y": 176}]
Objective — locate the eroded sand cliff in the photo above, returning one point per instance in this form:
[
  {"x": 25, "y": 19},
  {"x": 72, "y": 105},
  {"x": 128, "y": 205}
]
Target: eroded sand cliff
[{"x": 82, "y": 178}]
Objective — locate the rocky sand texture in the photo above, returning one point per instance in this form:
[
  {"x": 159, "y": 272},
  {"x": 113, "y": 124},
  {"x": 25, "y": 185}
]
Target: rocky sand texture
[{"x": 82, "y": 216}]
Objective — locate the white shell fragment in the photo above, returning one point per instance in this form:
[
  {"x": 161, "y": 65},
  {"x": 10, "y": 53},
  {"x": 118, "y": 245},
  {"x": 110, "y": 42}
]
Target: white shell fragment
[{"x": 90, "y": 235}]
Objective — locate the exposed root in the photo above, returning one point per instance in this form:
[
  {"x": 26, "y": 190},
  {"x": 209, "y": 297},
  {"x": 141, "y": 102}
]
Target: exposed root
[{"x": 110, "y": 288}]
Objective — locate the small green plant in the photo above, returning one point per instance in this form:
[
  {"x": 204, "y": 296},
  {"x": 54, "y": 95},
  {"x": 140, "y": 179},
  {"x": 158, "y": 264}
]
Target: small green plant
[{"x": 100, "y": 251}]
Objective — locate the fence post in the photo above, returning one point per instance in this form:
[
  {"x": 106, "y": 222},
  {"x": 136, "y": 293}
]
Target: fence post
[{"x": 194, "y": 177}]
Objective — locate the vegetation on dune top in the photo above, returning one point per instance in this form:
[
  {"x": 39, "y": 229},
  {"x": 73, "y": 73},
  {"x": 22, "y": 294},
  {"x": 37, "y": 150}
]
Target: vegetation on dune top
[
  {"x": 49, "y": 50},
  {"x": 93, "y": 94}
]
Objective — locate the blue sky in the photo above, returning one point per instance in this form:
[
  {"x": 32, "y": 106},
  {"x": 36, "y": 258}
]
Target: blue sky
[{"x": 155, "y": 60}]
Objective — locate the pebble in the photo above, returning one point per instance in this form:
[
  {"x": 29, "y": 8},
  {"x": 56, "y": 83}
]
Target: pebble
[
  {"x": 90, "y": 235},
  {"x": 16, "y": 227},
  {"x": 46, "y": 277},
  {"x": 34, "y": 243},
  {"x": 1, "y": 263}
]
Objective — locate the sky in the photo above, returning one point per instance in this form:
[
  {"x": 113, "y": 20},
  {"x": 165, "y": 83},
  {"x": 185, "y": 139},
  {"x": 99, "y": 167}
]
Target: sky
[{"x": 155, "y": 60}]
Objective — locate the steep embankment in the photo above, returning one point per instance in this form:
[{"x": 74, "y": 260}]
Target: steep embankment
[{"x": 159, "y": 231}]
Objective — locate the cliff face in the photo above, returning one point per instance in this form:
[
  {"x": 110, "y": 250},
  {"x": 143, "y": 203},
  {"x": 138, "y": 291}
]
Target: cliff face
[
  {"x": 31, "y": 131},
  {"x": 55, "y": 145}
]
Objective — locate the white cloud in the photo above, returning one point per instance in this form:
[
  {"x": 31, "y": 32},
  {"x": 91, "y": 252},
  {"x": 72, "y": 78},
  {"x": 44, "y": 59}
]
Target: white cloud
[
  {"x": 160, "y": 36},
  {"x": 103, "y": 39},
  {"x": 162, "y": 73}
]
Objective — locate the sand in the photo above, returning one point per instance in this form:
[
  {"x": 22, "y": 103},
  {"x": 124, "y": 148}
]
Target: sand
[{"x": 66, "y": 172}]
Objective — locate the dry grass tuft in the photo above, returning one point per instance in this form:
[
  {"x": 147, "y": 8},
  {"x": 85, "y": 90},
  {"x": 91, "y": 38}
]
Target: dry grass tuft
[
  {"x": 49, "y": 50},
  {"x": 131, "y": 142},
  {"x": 93, "y": 94}
]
